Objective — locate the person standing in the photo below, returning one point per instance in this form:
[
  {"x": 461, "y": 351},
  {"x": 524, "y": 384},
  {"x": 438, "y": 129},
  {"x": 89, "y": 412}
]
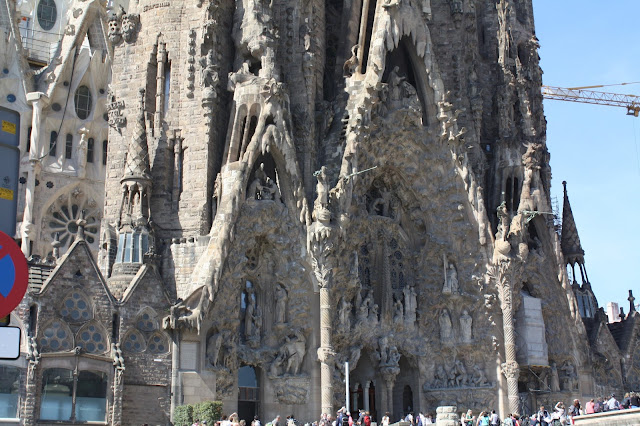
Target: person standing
[
  {"x": 495, "y": 420},
  {"x": 543, "y": 416},
  {"x": 590, "y": 407}
]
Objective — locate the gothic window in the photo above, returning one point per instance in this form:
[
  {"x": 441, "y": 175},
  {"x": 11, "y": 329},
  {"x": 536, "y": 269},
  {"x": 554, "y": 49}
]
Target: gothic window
[
  {"x": 56, "y": 337},
  {"x": 134, "y": 342},
  {"x": 47, "y": 14},
  {"x": 75, "y": 308},
  {"x": 145, "y": 321},
  {"x": 90, "y": 150},
  {"x": 53, "y": 144},
  {"x": 29, "y": 139},
  {"x": 68, "y": 146},
  {"x": 512, "y": 193},
  {"x": 105, "y": 145},
  {"x": 167, "y": 86},
  {"x": 9, "y": 388},
  {"x": 92, "y": 338},
  {"x": 158, "y": 344},
  {"x": 132, "y": 247},
  {"x": 66, "y": 210},
  {"x": 83, "y": 102},
  {"x": 60, "y": 387}
]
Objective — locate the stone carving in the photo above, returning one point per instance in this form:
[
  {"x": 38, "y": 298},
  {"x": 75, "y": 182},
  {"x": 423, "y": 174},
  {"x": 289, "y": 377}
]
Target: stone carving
[
  {"x": 351, "y": 65},
  {"x": 345, "y": 314},
  {"x": 209, "y": 74},
  {"x": 454, "y": 374},
  {"x": 387, "y": 354},
  {"x": 288, "y": 360},
  {"x": 290, "y": 394},
  {"x": 569, "y": 378},
  {"x": 398, "y": 308},
  {"x": 446, "y": 328},
  {"x": 367, "y": 309},
  {"x": 252, "y": 320},
  {"x": 466, "y": 323},
  {"x": 263, "y": 187},
  {"x": 113, "y": 32},
  {"x": 410, "y": 305},
  {"x": 281, "y": 304},
  {"x": 451, "y": 285},
  {"x": 130, "y": 26},
  {"x": 555, "y": 380},
  {"x": 116, "y": 356}
]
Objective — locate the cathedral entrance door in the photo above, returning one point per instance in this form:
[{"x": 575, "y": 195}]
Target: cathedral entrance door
[{"x": 248, "y": 394}]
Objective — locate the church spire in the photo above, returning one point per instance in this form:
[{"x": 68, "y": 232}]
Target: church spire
[
  {"x": 570, "y": 242},
  {"x": 135, "y": 235}
]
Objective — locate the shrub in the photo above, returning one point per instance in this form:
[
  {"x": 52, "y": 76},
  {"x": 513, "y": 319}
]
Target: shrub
[
  {"x": 183, "y": 415},
  {"x": 209, "y": 411}
]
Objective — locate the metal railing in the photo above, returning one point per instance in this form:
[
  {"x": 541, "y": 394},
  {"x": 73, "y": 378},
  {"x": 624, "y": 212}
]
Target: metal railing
[{"x": 38, "y": 45}]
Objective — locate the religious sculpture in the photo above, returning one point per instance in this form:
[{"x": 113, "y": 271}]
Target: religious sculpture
[
  {"x": 451, "y": 285},
  {"x": 555, "y": 380},
  {"x": 129, "y": 26},
  {"x": 113, "y": 31},
  {"x": 345, "y": 314},
  {"x": 569, "y": 377},
  {"x": 281, "y": 304},
  {"x": 446, "y": 328},
  {"x": 454, "y": 374},
  {"x": 410, "y": 304},
  {"x": 397, "y": 310},
  {"x": 466, "y": 323},
  {"x": 351, "y": 65},
  {"x": 289, "y": 358}
]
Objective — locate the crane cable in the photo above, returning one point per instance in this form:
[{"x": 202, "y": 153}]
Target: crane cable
[{"x": 603, "y": 85}]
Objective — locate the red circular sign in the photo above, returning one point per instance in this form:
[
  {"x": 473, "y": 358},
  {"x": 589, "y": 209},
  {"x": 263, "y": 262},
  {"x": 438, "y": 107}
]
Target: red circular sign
[{"x": 14, "y": 275}]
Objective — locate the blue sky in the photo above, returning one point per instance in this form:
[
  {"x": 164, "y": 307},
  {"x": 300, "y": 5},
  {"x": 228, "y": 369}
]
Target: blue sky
[{"x": 596, "y": 149}]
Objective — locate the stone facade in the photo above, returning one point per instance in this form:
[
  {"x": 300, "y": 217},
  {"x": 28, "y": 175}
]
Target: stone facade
[{"x": 294, "y": 185}]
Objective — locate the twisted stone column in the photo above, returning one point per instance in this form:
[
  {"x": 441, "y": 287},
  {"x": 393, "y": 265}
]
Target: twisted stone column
[{"x": 325, "y": 352}]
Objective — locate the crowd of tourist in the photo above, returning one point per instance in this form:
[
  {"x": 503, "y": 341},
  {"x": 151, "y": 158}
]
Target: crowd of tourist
[{"x": 559, "y": 416}]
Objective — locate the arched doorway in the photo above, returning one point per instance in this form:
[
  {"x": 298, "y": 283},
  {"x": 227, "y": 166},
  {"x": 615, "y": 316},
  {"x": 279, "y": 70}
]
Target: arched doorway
[
  {"x": 248, "y": 393},
  {"x": 407, "y": 400}
]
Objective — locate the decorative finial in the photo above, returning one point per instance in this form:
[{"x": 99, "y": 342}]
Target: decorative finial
[
  {"x": 631, "y": 299},
  {"x": 621, "y": 316},
  {"x": 81, "y": 222},
  {"x": 56, "y": 246}
]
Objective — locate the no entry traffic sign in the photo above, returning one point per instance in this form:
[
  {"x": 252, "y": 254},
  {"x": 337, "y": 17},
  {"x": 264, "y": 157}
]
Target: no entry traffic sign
[{"x": 14, "y": 275}]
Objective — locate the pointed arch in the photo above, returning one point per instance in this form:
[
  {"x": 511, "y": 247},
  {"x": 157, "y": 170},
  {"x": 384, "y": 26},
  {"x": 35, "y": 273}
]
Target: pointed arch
[
  {"x": 56, "y": 336},
  {"x": 75, "y": 307},
  {"x": 93, "y": 338},
  {"x": 146, "y": 320},
  {"x": 158, "y": 343},
  {"x": 134, "y": 341}
]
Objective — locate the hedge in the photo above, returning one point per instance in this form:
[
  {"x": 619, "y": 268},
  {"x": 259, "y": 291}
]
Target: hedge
[{"x": 209, "y": 411}]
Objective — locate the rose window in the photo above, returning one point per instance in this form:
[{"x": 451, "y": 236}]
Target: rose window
[
  {"x": 66, "y": 210},
  {"x": 92, "y": 339},
  {"x": 75, "y": 308},
  {"x": 56, "y": 337}
]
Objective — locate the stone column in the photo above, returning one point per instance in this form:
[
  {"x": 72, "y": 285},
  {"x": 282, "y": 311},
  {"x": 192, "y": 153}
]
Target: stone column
[
  {"x": 510, "y": 367},
  {"x": 320, "y": 244},
  {"x": 176, "y": 392},
  {"x": 38, "y": 101},
  {"x": 354, "y": 405},
  {"x": 161, "y": 57},
  {"x": 447, "y": 416},
  {"x": 389, "y": 374},
  {"x": 367, "y": 403}
]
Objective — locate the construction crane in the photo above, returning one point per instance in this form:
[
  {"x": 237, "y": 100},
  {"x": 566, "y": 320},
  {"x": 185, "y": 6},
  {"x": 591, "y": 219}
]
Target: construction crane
[{"x": 579, "y": 94}]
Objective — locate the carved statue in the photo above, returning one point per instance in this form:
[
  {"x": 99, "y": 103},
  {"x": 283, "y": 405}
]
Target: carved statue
[
  {"x": 257, "y": 324},
  {"x": 383, "y": 351},
  {"x": 249, "y": 314},
  {"x": 461, "y": 378},
  {"x": 322, "y": 188},
  {"x": 82, "y": 153},
  {"x": 129, "y": 26},
  {"x": 381, "y": 205},
  {"x": 345, "y": 313},
  {"x": 446, "y": 329},
  {"x": 440, "y": 378},
  {"x": 555, "y": 380},
  {"x": 397, "y": 311},
  {"x": 569, "y": 377},
  {"x": 393, "y": 358},
  {"x": 451, "y": 285},
  {"x": 214, "y": 344},
  {"x": 351, "y": 65},
  {"x": 113, "y": 32},
  {"x": 290, "y": 356},
  {"x": 410, "y": 304},
  {"x": 281, "y": 304},
  {"x": 209, "y": 72},
  {"x": 466, "y": 323},
  {"x": 479, "y": 379},
  {"x": 269, "y": 191},
  {"x": 395, "y": 85},
  {"x": 241, "y": 76}
]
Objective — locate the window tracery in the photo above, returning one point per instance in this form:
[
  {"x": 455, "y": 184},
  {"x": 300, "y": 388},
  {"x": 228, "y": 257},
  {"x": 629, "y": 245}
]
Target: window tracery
[
  {"x": 56, "y": 337},
  {"x": 63, "y": 213},
  {"x": 92, "y": 338},
  {"x": 75, "y": 308}
]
